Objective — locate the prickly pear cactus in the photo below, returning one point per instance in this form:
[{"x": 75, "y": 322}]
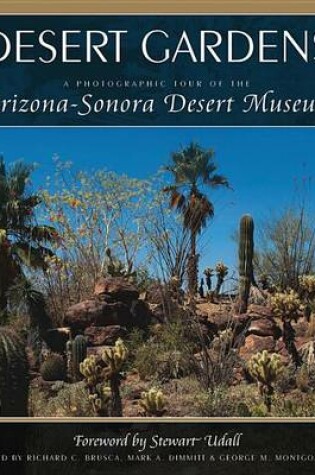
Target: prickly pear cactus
[
  {"x": 14, "y": 375},
  {"x": 53, "y": 368}
]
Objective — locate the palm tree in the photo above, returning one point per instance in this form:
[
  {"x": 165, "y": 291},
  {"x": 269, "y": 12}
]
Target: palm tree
[
  {"x": 22, "y": 241},
  {"x": 193, "y": 168}
]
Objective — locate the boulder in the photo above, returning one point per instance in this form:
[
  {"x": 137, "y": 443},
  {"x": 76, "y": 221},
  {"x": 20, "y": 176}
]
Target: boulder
[
  {"x": 96, "y": 312},
  {"x": 254, "y": 344},
  {"x": 264, "y": 326},
  {"x": 141, "y": 315},
  {"x": 99, "y": 336},
  {"x": 56, "y": 339},
  {"x": 259, "y": 311},
  {"x": 116, "y": 288}
]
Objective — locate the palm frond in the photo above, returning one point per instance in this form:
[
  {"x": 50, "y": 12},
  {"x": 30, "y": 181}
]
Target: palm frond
[
  {"x": 44, "y": 233},
  {"x": 31, "y": 256}
]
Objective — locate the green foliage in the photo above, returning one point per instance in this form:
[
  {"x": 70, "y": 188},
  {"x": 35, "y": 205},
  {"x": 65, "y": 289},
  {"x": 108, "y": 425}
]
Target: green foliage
[
  {"x": 153, "y": 402},
  {"x": 246, "y": 254},
  {"x": 23, "y": 244},
  {"x": 14, "y": 375},
  {"x": 115, "y": 268},
  {"x": 53, "y": 368},
  {"x": 168, "y": 354},
  {"x": 222, "y": 403},
  {"x": 92, "y": 211}
]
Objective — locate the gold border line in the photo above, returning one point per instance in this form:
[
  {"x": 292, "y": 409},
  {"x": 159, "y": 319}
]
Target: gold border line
[{"x": 161, "y": 6}]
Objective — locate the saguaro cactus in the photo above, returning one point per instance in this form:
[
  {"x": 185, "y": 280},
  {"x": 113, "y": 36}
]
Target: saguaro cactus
[
  {"x": 14, "y": 375},
  {"x": 76, "y": 353},
  {"x": 246, "y": 254}
]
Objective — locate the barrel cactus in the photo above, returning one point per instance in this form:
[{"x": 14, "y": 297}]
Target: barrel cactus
[
  {"x": 246, "y": 254},
  {"x": 14, "y": 375},
  {"x": 53, "y": 368}
]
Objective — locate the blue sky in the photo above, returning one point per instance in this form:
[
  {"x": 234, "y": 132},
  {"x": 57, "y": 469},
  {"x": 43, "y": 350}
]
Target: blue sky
[{"x": 265, "y": 166}]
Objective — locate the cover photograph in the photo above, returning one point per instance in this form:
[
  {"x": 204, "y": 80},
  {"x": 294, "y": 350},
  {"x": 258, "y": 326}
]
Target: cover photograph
[{"x": 157, "y": 239}]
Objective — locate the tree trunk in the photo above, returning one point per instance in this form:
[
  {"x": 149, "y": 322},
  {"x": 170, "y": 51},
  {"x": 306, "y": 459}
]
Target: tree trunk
[
  {"x": 116, "y": 404},
  {"x": 192, "y": 267},
  {"x": 289, "y": 341}
]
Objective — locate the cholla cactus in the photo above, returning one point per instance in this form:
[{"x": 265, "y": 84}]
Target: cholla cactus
[
  {"x": 286, "y": 305},
  {"x": 265, "y": 368},
  {"x": 153, "y": 402},
  {"x": 91, "y": 370},
  {"x": 114, "y": 359},
  {"x": 307, "y": 285},
  {"x": 98, "y": 392},
  {"x": 103, "y": 379},
  {"x": 221, "y": 271},
  {"x": 224, "y": 340}
]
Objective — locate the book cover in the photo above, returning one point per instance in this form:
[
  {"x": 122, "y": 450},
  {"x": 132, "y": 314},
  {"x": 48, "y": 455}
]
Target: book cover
[{"x": 157, "y": 237}]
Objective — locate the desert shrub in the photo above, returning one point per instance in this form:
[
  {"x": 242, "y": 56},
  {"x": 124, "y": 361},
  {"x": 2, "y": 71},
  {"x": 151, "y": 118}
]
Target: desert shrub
[
  {"x": 222, "y": 402},
  {"x": 67, "y": 400},
  {"x": 285, "y": 248},
  {"x": 311, "y": 326},
  {"x": 168, "y": 354},
  {"x": 286, "y": 380},
  {"x": 297, "y": 405},
  {"x": 302, "y": 379}
]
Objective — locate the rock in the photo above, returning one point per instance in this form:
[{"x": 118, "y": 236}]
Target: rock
[
  {"x": 264, "y": 327},
  {"x": 157, "y": 294},
  {"x": 259, "y": 311},
  {"x": 57, "y": 338},
  {"x": 97, "y": 350},
  {"x": 96, "y": 312},
  {"x": 141, "y": 315},
  {"x": 254, "y": 344},
  {"x": 222, "y": 321},
  {"x": 98, "y": 336},
  {"x": 117, "y": 288},
  {"x": 281, "y": 350}
]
